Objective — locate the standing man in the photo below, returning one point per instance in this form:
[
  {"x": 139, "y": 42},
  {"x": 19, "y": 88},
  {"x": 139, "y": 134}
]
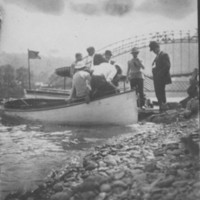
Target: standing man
[
  {"x": 108, "y": 55},
  {"x": 93, "y": 58},
  {"x": 135, "y": 76},
  {"x": 161, "y": 73},
  {"x": 90, "y": 60},
  {"x": 91, "y": 55}
]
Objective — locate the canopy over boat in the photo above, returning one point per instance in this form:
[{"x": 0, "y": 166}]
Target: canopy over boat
[
  {"x": 63, "y": 71},
  {"x": 118, "y": 109}
]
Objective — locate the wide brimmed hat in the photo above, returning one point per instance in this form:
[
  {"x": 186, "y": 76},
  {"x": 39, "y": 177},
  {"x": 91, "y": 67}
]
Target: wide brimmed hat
[
  {"x": 80, "y": 65},
  {"x": 153, "y": 45},
  {"x": 134, "y": 50}
]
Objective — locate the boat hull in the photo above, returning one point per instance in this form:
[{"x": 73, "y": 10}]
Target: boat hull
[{"x": 120, "y": 109}]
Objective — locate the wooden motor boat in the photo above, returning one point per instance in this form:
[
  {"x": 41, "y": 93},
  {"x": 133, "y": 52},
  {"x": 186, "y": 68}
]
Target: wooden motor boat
[{"x": 117, "y": 109}]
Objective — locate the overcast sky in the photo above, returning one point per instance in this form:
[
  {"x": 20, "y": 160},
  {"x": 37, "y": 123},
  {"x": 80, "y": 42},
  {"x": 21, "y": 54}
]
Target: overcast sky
[{"x": 64, "y": 27}]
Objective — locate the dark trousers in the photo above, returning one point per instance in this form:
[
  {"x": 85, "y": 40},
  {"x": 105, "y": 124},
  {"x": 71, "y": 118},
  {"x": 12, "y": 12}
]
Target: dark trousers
[
  {"x": 160, "y": 92},
  {"x": 100, "y": 87},
  {"x": 138, "y": 84}
]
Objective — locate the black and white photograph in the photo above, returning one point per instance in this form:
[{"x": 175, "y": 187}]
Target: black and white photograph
[{"x": 99, "y": 100}]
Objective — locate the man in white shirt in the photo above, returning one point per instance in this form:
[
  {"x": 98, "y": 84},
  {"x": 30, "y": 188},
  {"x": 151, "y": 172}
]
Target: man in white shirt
[
  {"x": 102, "y": 77},
  {"x": 108, "y": 56},
  {"x": 81, "y": 83},
  {"x": 105, "y": 69},
  {"x": 78, "y": 57},
  {"x": 92, "y": 58}
]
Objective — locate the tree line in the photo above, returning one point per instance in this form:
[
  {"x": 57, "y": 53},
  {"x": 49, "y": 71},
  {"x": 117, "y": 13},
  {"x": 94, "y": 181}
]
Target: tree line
[{"x": 14, "y": 81}]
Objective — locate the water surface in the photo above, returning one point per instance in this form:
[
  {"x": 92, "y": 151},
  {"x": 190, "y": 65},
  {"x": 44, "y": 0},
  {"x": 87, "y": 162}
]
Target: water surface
[{"x": 28, "y": 152}]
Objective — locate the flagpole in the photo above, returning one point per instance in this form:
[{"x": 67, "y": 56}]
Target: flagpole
[
  {"x": 29, "y": 72},
  {"x": 31, "y": 55},
  {"x": 64, "y": 82}
]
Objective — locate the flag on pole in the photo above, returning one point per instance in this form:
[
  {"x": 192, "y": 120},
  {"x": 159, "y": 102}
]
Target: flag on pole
[{"x": 33, "y": 54}]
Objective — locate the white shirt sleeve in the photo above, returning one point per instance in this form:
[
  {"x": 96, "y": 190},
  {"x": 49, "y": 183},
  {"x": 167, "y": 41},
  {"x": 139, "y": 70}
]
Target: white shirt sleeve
[
  {"x": 89, "y": 62},
  {"x": 111, "y": 73}
]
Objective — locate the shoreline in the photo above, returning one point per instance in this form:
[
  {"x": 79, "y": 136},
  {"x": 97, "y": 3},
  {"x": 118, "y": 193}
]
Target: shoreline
[{"x": 150, "y": 164}]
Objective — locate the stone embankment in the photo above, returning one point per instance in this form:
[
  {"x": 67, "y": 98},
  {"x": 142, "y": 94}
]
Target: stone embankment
[{"x": 158, "y": 161}]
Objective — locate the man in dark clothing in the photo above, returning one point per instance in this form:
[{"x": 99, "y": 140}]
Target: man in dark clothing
[{"x": 161, "y": 73}]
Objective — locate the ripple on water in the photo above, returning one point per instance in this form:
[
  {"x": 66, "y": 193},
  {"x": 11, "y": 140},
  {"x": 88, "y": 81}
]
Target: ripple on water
[{"x": 29, "y": 152}]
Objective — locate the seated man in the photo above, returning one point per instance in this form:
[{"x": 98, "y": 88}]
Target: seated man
[
  {"x": 102, "y": 76},
  {"x": 78, "y": 58},
  {"x": 193, "y": 89},
  {"x": 118, "y": 76},
  {"x": 80, "y": 83},
  {"x": 194, "y": 83}
]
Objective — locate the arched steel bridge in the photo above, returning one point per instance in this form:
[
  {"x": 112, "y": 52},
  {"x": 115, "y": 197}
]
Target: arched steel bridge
[{"x": 182, "y": 47}]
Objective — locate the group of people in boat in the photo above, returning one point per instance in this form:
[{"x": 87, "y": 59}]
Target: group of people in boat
[
  {"x": 99, "y": 75},
  {"x": 95, "y": 77}
]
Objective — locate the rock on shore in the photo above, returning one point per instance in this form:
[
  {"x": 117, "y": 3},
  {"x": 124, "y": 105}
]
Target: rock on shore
[{"x": 150, "y": 164}]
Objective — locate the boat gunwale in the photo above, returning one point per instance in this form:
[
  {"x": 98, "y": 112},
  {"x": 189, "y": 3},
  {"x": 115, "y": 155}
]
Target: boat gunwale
[
  {"x": 62, "y": 106},
  {"x": 47, "y": 92}
]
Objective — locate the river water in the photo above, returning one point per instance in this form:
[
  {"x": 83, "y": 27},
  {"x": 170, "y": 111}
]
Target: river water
[{"x": 29, "y": 151}]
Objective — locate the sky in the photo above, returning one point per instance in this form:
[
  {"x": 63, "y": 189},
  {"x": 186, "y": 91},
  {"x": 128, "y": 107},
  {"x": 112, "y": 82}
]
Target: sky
[{"x": 64, "y": 27}]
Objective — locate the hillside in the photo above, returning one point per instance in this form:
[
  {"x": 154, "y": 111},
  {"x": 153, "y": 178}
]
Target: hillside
[{"x": 41, "y": 68}]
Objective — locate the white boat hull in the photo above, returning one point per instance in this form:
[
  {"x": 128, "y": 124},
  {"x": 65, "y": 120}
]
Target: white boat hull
[{"x": 118, "y": 109}]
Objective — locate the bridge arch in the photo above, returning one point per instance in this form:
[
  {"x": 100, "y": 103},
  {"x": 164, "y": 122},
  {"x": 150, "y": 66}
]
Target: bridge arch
[{"x": 182, "y": 47}]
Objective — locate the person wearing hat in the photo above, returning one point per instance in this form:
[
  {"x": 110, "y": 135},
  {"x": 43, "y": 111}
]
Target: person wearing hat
[
  {"x": 80, "y": 83},
  {"x": 161, "y": 73},
  {"x": 78, "y": 57},
  {"x": 135, "y": 76}
]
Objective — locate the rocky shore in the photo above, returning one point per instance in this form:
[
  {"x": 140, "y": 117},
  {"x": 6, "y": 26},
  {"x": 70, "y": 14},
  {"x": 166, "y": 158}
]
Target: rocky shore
[{"x": 160, "y": 160}]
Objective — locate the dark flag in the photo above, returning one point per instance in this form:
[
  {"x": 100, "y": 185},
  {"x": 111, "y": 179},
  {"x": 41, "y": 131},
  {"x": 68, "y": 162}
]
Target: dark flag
[{"x": 33, "y": 54}]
